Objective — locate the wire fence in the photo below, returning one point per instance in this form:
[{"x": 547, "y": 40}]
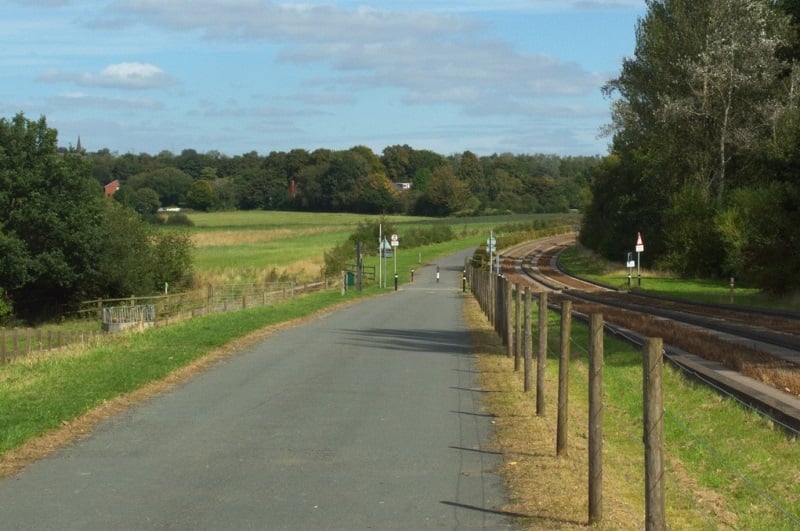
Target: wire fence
[
  {"x": 495, "y": 298},
  {"x": 99, "y": 317}
]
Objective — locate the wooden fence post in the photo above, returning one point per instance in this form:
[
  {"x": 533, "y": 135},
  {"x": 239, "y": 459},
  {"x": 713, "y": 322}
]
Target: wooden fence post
[
  {"x": 528, "y": 342},
  {"x": 487, "y": 292},
  {"x": 595, "y": 418},
  {"x": 518, "y": 334},
  {"x": 497, "y": 306},
  {"x": 490, "y": 297},
  {"x": 509, "y": 320},
  {"x": 541, "y": 359},
  {"x": 563, "y": 379},
  {"x": 655, "y": 519}
]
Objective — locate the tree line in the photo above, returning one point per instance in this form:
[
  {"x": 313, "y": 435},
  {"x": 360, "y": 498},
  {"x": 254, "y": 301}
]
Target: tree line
[
  {"x": 704, "y": 160},
  {"x": 62, "y": 241},
  {"x": 399, "y": 180}
]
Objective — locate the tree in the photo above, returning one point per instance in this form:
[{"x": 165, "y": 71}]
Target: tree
[
  {"x": 397, "y": 161},
  {"x": 760, "y": 229},
  {"x": 728, "y": 103},
  {"x": 445, "y": 194},
  {"x": 146, "y": 202},
  {"x": 50, "y": 207},
  {"x": 61, "y": 241},
  {"x": 700, "y": 104},
  {"x": 171, "y": 184},
  {"x": 201, "y": 196},
  {"x": 125, "y": 266},
  {"x": 470, "y": 171}
]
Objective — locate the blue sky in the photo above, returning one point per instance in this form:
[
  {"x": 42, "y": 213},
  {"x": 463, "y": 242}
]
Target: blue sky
[{"x": 489, "y": 76}]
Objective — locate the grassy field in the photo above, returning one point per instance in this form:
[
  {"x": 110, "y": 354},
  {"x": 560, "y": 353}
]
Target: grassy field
[
  {"x": 252, "y": 245},
  {"x": 258, "y": 245}
]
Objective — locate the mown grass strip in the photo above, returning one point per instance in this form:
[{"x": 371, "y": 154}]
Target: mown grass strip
[{"x": 585, "y": 264}]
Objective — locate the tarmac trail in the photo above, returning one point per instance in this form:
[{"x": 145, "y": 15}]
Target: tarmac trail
[{"x": 367, "y": 418}]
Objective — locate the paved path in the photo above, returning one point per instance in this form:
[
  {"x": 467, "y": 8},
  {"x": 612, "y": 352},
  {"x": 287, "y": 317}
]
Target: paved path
[{"x": 367, "y": 418}]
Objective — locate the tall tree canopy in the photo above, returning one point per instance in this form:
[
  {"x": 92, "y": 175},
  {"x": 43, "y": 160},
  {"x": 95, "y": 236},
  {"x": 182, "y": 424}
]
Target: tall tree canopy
[{"x": 701, "y": 118}]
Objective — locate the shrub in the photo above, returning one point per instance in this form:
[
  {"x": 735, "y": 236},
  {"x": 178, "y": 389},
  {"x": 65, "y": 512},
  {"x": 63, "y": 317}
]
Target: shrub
[{"x": 179, "y": 219}]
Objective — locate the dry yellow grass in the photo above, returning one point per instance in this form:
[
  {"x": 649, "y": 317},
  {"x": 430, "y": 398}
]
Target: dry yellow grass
[
  {"x": 241, "y": 237},
  {"x": 301, "y": 270}
]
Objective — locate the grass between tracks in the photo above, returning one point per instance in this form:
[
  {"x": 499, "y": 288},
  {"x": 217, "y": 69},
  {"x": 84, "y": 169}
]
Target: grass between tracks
[{"x": 726, "y": 467}]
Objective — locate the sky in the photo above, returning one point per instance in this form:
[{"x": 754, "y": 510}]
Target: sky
[{"x": 236, "y": 76}]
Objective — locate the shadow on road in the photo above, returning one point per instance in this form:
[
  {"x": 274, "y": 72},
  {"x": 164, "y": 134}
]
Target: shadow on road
[
  {"x": 485, "y": 510},
  {"x": 433, "y": 341}
]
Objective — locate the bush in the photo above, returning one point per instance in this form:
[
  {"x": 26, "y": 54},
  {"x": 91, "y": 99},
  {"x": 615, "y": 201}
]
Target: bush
[
  {"x": 338, "y": 257},
  {"x": 179, "y": 219}
]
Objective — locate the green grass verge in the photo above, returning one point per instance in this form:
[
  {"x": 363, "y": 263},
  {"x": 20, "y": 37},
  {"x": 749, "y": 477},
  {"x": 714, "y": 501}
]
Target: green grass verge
[{"x": 585, "y": 264}]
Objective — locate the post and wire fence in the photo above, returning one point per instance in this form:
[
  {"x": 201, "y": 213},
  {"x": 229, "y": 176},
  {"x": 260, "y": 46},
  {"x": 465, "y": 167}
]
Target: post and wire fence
[
  {"x": 509, "y": 308},
  {"x": 96, "y": 318}
]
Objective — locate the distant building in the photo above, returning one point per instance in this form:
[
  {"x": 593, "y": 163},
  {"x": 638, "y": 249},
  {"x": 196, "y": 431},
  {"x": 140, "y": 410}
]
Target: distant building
[{"x": 111, "y": 188}]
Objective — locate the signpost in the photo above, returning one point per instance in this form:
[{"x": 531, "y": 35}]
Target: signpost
[
  {"x": 490, "y": 246},
  {"x": 639, "y": 251},
  {"x": 395, "y": 245},
  {"x": 386, "y": 252},
  {"x": 630, "y": 263}
]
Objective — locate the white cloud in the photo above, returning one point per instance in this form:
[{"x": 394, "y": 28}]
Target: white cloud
[
  {"x": 132, "y": 75},
  {"x": 431, "y": 57},
  {"x": 119, "y": 75}
]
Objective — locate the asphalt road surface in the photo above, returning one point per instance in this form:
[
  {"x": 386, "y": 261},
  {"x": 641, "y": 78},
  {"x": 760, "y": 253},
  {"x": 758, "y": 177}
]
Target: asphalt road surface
[{"x": 367, "y": 418}]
